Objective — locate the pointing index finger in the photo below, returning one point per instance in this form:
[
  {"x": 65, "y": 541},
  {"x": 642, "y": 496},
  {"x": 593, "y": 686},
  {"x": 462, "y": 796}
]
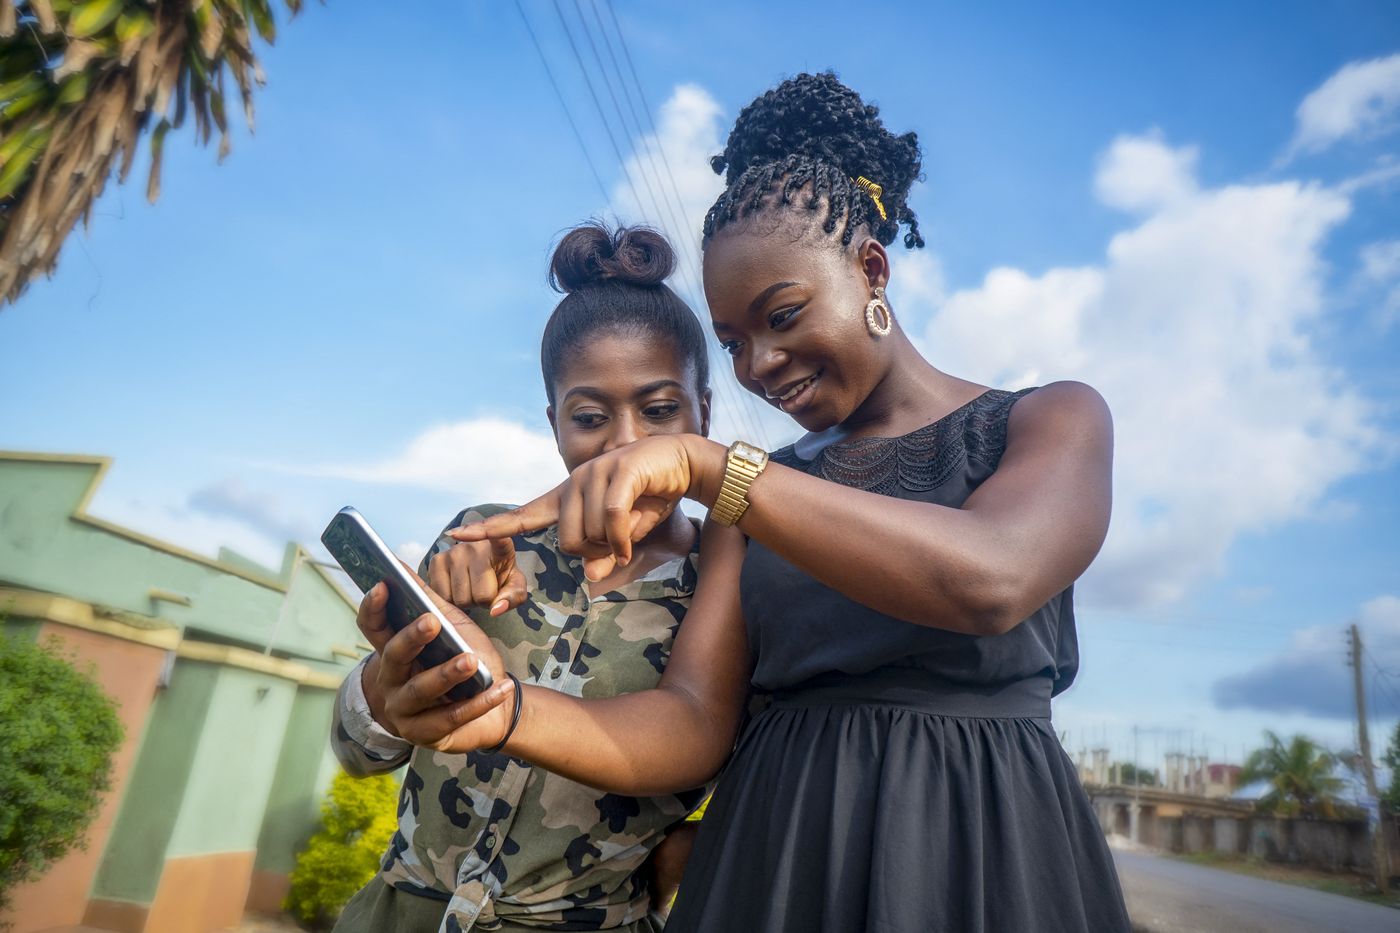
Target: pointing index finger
[{"x": 534, "y": 515}]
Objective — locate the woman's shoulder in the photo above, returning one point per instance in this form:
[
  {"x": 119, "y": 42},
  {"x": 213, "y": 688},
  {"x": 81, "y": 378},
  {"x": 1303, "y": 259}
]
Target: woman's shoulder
[{"x": 1059, "y": 407}]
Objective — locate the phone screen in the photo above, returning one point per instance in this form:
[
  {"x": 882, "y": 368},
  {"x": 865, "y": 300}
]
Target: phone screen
[{"x": 367, "y": 560}]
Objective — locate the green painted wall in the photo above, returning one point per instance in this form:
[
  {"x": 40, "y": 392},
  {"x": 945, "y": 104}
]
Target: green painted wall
[
  {"x": 16, "y": 627},
  {"x": 41, "y": 544},
  {"x": 135, "y": 853},
  {"x": 232, "y": 772},
  {"x": 304, "y": 771},
  {"x": 230, "y": 759}
]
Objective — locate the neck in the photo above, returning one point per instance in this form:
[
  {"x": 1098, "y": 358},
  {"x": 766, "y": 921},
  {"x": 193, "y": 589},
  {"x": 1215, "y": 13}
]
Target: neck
[
  {"x": 676, "y": 533},
  {"x": 911, "y": 394}
]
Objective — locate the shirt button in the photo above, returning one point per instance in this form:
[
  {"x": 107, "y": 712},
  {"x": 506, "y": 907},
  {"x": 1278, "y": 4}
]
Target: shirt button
[
  {"x": 491, "y": 841},
  {"x": 556, "y": 673}
]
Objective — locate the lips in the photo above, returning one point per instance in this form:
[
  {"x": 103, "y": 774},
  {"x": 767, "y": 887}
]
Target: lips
[
  {"x": 791, "y": 391},
  {"x": 795, "y": 395}
]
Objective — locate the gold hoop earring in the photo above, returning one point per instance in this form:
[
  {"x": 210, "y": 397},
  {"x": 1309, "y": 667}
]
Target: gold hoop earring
[{"x": 878, "y": 319}]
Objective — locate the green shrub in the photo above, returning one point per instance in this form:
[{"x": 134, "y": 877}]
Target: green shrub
[
  {"x": 358, "y": 817},
  {"x": 58, "y": 731}
]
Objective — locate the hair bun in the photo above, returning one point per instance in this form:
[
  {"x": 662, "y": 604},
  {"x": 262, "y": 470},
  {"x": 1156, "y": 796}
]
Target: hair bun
[{"x": 591, "y": 253}]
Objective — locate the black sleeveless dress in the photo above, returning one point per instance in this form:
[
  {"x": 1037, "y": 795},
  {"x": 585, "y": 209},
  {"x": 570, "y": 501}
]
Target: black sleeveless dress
[{"x": 903, "y": 778}]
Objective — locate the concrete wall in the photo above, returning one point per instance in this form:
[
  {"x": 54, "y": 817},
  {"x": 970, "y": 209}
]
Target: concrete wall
[
  {"x": 127, "y": 671},
  {"x": 1329, "y": 845},
  {"x": 222, "y": 769},
  {"x": 305, "y": 761},
  {"x": 132, "y": 863}
]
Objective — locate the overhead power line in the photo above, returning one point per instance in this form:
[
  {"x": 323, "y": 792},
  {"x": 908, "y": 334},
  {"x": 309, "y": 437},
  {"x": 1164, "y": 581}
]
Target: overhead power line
[
  {"x": 741, "y": 403},
  {"x": 563, "y": 104}
]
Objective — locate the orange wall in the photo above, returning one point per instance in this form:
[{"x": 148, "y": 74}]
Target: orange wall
[
  {"x": 201, "y": 892},
  {"x": 127, "y": 672}
]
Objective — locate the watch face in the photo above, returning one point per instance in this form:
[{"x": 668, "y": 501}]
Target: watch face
[{"x": 748, "y": 452}]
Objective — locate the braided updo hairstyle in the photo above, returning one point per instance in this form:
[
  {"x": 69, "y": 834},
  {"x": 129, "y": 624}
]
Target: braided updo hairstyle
[
  {"x": 801, "y": 146},
  {"x": 613, "y": 282}
]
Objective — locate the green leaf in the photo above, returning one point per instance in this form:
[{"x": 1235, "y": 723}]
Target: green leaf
[
  {"x": 10, "y": 90},
  {"x": 261, "y": 13},
  {"x": 134, "y": 24},
  {"x": 157, "y": 146},
  {"x": 16, "y": 170},
  {"x": 74, "y": 88},
  {"x": 20, "y": 105},
  {"x": 92, "y": 17},
  {"x": 35, "y": 137}
]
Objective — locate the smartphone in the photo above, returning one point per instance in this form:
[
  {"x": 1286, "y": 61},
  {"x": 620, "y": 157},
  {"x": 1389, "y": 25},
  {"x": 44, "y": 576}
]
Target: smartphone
[{"x": 368, "y": 560}]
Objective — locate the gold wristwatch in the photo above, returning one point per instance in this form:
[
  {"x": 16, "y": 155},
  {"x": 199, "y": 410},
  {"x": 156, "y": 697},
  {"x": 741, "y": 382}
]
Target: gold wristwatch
[{"x": 742, "y": 467}]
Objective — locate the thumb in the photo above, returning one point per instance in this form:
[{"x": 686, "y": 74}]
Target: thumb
[
  {"x": 596, "y": 568},
  {"x": 512, "y": 593}
]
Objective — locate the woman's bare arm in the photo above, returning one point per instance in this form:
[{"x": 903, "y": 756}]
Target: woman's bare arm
[
  {"x": 1024, "y": 535},
  {"x": 673, "y": 737}
]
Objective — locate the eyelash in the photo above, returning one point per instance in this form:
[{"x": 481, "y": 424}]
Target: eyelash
[
  {"x": 775, "y": 320},
  {"x": 662, "y": 411}
]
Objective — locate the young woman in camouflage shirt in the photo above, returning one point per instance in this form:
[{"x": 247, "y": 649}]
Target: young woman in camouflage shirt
[{"x": 486, "y": 841}]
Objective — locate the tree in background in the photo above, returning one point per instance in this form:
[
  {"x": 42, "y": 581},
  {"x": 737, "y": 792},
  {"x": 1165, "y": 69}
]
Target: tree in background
[
  {"x": 82, "y": 80},
  {"x": 1131, "y": 774},
  {"x": 1300, "y": 775},
  {"x": 358, "y": 818},
  {"x": 1391, "y": 758},
  {"x": 56, "y": 746}
]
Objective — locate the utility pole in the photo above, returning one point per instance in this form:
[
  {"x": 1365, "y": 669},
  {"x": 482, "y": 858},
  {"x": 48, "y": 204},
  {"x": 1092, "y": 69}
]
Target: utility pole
[{"x": 1380, "y": 853}]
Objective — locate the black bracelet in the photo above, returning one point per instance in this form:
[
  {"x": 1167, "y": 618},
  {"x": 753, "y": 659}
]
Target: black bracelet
[{"x": 514, "y": 717}]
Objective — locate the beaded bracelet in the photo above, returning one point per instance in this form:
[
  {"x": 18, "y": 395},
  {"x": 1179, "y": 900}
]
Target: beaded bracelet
[{"x": 514, "y": 717}]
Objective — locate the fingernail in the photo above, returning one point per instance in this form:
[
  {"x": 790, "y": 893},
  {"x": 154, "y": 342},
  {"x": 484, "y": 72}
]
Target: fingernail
[
  {"x": 499, "y": 605},
  {"x": 507, "y": 686},
  {"x": 424, "y": 626},
  {"x": 460, "y": 664}
]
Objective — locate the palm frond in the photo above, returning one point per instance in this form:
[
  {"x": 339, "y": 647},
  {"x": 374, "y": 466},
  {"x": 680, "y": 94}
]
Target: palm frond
[{"x": 81, "y": 81}]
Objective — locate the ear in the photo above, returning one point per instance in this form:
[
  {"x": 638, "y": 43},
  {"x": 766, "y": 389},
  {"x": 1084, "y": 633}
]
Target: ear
[
  {"x": 705, "y": 413},
  {"x": 874, "y": 263},
  {"x": 553, "y": 425}
]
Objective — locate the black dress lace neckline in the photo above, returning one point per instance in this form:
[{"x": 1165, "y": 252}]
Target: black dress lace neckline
[{"x": 920, "y": 460}]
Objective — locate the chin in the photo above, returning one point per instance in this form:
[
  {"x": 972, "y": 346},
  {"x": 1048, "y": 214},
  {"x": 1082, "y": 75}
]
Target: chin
[{"x": 815, "y": 420}]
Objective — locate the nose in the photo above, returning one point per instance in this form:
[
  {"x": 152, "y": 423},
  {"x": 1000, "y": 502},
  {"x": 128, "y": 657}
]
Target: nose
[
  {"x": 624, "y": 429},
  {"x": 765, "y": 360}
]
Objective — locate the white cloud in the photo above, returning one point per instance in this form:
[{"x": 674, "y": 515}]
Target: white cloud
[
  {"x": 261, "y": 511},
  {"x": 918, "y": 278},
  {"x": 202, "y": 533},
  {"x": 667, "y": 182},
  {"x": 1380, "y": 267},
  {"x": 1196, "y": 329},
  {"x": 1360, "y": 99},
  {"x": 688, "y": 133},
  {"x": 411, "y": 552},
  {"x": 1141, "y": 173},
  {"x": 478, "y": 460},
  {"x": 1295, "y": 681}
]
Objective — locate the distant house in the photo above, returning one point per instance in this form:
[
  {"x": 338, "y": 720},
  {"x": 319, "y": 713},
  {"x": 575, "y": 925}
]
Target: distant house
[
  {"x": 1216, "y": 780},
  {"x": 225, "y": 674}
]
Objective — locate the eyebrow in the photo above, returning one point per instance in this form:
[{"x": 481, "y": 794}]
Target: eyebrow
[
  {"x": 767, "y": 293},
  {"x": 647, "y": 389}
]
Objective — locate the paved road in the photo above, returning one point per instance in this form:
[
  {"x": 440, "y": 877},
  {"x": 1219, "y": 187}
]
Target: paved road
[{"x": 1167, "y": 896}]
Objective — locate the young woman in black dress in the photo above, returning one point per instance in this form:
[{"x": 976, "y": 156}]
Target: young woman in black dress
[{"x": 899, "y": 581}]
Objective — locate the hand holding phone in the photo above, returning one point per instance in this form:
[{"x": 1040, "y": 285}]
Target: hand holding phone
[
  {"x": 368, "y": 561},
  {"x": 411, "y": 703}
]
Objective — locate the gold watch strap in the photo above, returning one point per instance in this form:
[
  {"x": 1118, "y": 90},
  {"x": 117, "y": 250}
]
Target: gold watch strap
[{"x": 744, "y": 464}]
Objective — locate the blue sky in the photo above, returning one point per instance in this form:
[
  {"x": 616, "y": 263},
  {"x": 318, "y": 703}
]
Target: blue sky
[{"x": 1194, "y": 209}]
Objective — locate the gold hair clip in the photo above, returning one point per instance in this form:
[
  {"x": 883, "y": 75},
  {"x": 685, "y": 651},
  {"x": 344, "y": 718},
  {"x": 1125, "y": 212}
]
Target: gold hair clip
[{"x": 874, "y": 191}]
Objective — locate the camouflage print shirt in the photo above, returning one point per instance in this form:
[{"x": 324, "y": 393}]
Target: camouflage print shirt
[{"x": 494, "y": 837}]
